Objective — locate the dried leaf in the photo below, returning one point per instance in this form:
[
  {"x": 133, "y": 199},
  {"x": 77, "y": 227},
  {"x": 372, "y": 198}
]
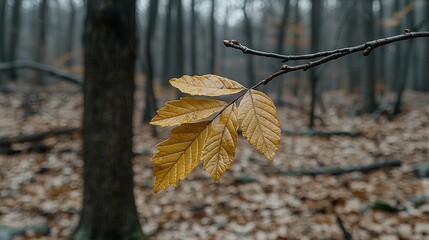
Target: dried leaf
[
  {"x": 207, "y": 85},
  {"x": 259, "y": 122},
  {"x": 219, "y": 151},
  {"x": 178, "y": 155},
  {"x": 186, "y": 110}
]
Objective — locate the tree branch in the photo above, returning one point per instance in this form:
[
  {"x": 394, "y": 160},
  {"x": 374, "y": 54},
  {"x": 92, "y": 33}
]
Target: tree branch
[
  {"x": 72, "y": 78},
  {"x": 366, "y": 47}
]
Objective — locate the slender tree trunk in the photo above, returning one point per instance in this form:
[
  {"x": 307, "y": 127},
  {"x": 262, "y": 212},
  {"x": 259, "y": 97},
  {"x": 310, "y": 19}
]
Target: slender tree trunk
[
  {"x": 316, "y": 8},
  {"x": 151, "y": 106},
  {"x": 14, "y": 36},
  {"x": 109, "y": 211},
  {"x": 398, "y": 49},
  {"x": 166, "y": 64},
  {"x": 194, "y": 66},
  {"x": 2, "y": 29},
  {"x": 368, "y": 83},
  {"x": 281, "y": 36},
  {"x": 248, "y": 35},
  {"x": 425, "y": 83},
  {"x": 41, "y": 53},
  {"x": 382, "y": 51},
  {"x": 180, "y": 66},
  {"x": 296, "y": 48},
  {"x": 212, "y": 38},
  {"x": 70, "y": 37},
  {"x": 405, "y": 66}
]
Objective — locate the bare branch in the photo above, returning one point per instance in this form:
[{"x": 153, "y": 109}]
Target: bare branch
[{"x": 368, "y": 46}]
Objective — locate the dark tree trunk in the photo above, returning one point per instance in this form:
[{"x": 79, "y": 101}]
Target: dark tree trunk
[
  {"x": 405, "y": 66},
  {"x": 316, "y": 8},
  {"x": 382, "y": 51},
  {"x": 398, "y": 49},
  {"x": 70, "y": 37},
  {"x": 180, "y": 66},
  {"x": 166, "y": 64},
  {"x": 14, "y": 36},
  {"x": 151, "y": 107},
  {"x": 41, "y": 46},
  {"x": 109, "y": 211},
  {"x": 296, "y": 49},
  {"x": 2, "y": 29},
  {"x": 212, "y": 39},
  {"x": 281, "y": 36},
  {"x": 193, "y": 38},
  {"x": 425, "y": 83},
  {"x": 249, "y": 41},
  {"x": 368, "y": 83}
]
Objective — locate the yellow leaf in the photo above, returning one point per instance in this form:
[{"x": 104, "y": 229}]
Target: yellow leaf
[
  {"x": 219, "y": 150},
  {"x": 186, "y": 110},
  {"x": 259, "y": 122},
  {"x": 208, "y": 85},
  {"x": 178, "y": 155}
]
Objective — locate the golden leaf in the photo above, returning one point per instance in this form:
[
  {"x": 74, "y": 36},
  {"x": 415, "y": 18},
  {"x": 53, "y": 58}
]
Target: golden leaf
[
  {"x": 259, "y": 122},
  {"x": 219, "y": 151},
  {"x": 186, "y": 110},
  {"x": 208, "y": 85},
  {"x": 178, "y": 155}
]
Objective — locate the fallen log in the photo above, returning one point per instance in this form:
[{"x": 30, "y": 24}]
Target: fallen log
[
  {"x": 6, "y": 142},
  {"x": 335, "y": 171},
  {"x": 314, "y": 133},
  {"x": 72, "y": 78}
]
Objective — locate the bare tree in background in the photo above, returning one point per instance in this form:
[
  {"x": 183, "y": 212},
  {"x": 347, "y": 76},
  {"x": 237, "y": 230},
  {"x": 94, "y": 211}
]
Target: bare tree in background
[
  {"x": 316, "y": 8},
  {"x": 109, "y": 210},
  {"x": 166, "y": 63},
  {"x": 368, "y": 83},
  {"x": 212, "y": 60},
  {"x": 281, "y": 36},
  {"x": 249, "y": 41},
  {"x": 41, "y": 45},
  {"x": 2, "y": 29},
  {"x": 151, "y": 106},
  {"x": 193, "y": 41},
  {"x": 14, "y": 36}
]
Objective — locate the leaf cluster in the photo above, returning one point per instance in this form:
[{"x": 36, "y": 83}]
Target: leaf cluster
[{"x": 206, "y": 129}]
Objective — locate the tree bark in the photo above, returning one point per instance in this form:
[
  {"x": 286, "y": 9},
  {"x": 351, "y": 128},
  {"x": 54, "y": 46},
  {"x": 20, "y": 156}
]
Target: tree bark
[
  {"x": 249, "y": 39},
  {"x": 109, "y": 210},
  {"x": 3, "y": 4},
  {"x": 281, "y": 36},
  {"x": 70, "y": 37},
  {"x": 166, "y": 64},
  {"x": 151, "y": 106},
  {"x": 368, "y": 83},
  {"x": 14, "y": 36},
  {"x": 193, "y": 39},
  {"x": 316, "y": 8},
  {"x": 425, "y": 82},
  {"x": 212, "y": 38},
  {"x": 41, "y": 45}
]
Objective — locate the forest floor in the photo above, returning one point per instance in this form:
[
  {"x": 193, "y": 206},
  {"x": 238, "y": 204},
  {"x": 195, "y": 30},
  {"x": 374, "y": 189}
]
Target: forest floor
[{"x": 256, "y": 199}]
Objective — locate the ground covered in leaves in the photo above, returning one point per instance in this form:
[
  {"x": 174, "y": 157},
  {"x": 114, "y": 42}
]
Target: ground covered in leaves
[{"x": 256, "y": 199}]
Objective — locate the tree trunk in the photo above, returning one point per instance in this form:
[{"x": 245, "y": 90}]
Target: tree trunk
[
  {"x": 70, "y": 37},
  {"x": 296, "y": 49},
  {"x": 151, "y": 107},
  {"x": 368, "y": 83},
  {"x": 316, "y": 8},
  {"x": 425, "y": 82},
  {"x": 109, "y": 211},
  {"x": 382, "y": 51},
  {"x": 2, "y": 29},
  {"x": 41, "y": 46},
  {"x": 14, "y": 36},
  {"x": 405, "y": 66},
  {"x": 193, "y": 39},
  {"x": 166, "y": 64},
  {"x": 249, "y": 41},
  {"x": 281, "y": 36},
  {"x": 212, "y": 38}
]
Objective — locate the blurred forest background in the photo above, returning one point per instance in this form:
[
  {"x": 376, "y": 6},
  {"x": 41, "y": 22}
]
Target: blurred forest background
[{"x": 353, "y": 159}]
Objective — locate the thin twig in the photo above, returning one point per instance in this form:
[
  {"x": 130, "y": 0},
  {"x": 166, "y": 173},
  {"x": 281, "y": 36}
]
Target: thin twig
[{"x": 366, "y": 47}]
